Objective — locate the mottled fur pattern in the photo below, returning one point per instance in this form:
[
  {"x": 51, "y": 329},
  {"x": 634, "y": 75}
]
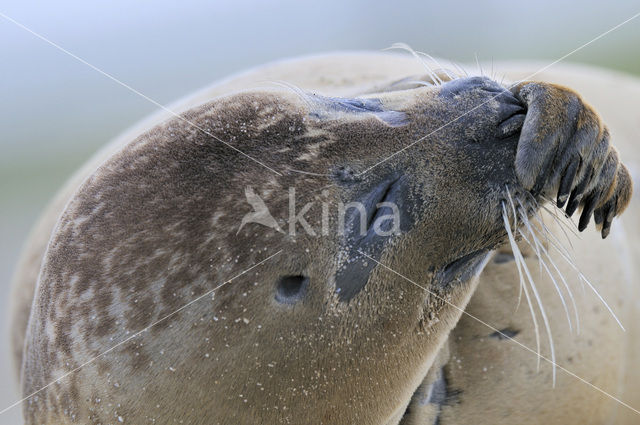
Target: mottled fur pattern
[{"x": 155, "y": 227}]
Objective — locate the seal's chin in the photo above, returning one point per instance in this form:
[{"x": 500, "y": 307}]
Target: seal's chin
[{"x": 464, "y": 268}]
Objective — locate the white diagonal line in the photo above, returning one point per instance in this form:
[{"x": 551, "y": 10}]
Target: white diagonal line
[
  {"x": 128, "y": 87},
  {"x": 139, "y": 332},
  {"x": 512, "y": 85},
  {"x": 504, "y": 335},
  {"x": 584, "y": 45}
]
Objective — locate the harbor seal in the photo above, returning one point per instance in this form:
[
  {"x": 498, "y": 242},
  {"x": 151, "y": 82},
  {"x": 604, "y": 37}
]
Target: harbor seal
[{"x": 304, "y": 338}]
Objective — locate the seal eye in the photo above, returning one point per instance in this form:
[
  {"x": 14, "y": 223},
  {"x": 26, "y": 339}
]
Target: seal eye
[{"x": 291, "y": 289}]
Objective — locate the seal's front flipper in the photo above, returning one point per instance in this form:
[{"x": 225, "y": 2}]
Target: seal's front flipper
[{"x": 564, "y": 152}]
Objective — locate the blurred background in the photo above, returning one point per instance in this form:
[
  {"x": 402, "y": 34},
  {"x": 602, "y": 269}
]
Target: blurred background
[{"x": 55, "y": 111}]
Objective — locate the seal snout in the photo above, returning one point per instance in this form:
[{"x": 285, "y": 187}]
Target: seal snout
[{"x": 456, "y": 87}]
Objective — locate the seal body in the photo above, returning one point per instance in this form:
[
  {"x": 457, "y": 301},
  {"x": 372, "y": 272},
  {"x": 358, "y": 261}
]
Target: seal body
[{"x": 304, "y": 327}]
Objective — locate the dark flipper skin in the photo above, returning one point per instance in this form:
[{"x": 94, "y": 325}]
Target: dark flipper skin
[{"x": 564, "y": 152}]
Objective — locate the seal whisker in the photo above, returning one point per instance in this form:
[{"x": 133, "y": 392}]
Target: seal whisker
[
  {"x": 493, "y": 73},
  {"x": 549, "y": 233},
  {"x": 304, "y": 96},
  {"x": 544, "y": 230},
  {"x": 569, "y": 223},
  {"x": 517, "y": 260},
  {"x": 406, "y": 47},
  {"x": 420, "y": 83},
  {"x": 557, "y": 244},
  {"x": 545, "y": 319},
  {"x": 478, "y": 65},
  {"x": 520, "y": 263},
  {"x": 515, "y": 226},
  {"x": 440, "y": 67},
  {"x": 562, "y": 223},
  {"x": 555, "y": 216},
  {"x": 536, "y": 245},
  {"x": 584, "y": 279},
  {"x": 460, "y": 68},
  {"x": 568, "y": 288},
  {"x": 602, "y": 300},
  {"x": 552, "y": 239}
]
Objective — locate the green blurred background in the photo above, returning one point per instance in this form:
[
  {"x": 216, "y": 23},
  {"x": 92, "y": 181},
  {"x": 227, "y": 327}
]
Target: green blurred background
[{"x": 55, "y": 111}]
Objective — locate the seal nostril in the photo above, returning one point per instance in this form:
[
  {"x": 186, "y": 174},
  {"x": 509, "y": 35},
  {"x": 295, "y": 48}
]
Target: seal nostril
[{"x": 291, "y": 289}]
